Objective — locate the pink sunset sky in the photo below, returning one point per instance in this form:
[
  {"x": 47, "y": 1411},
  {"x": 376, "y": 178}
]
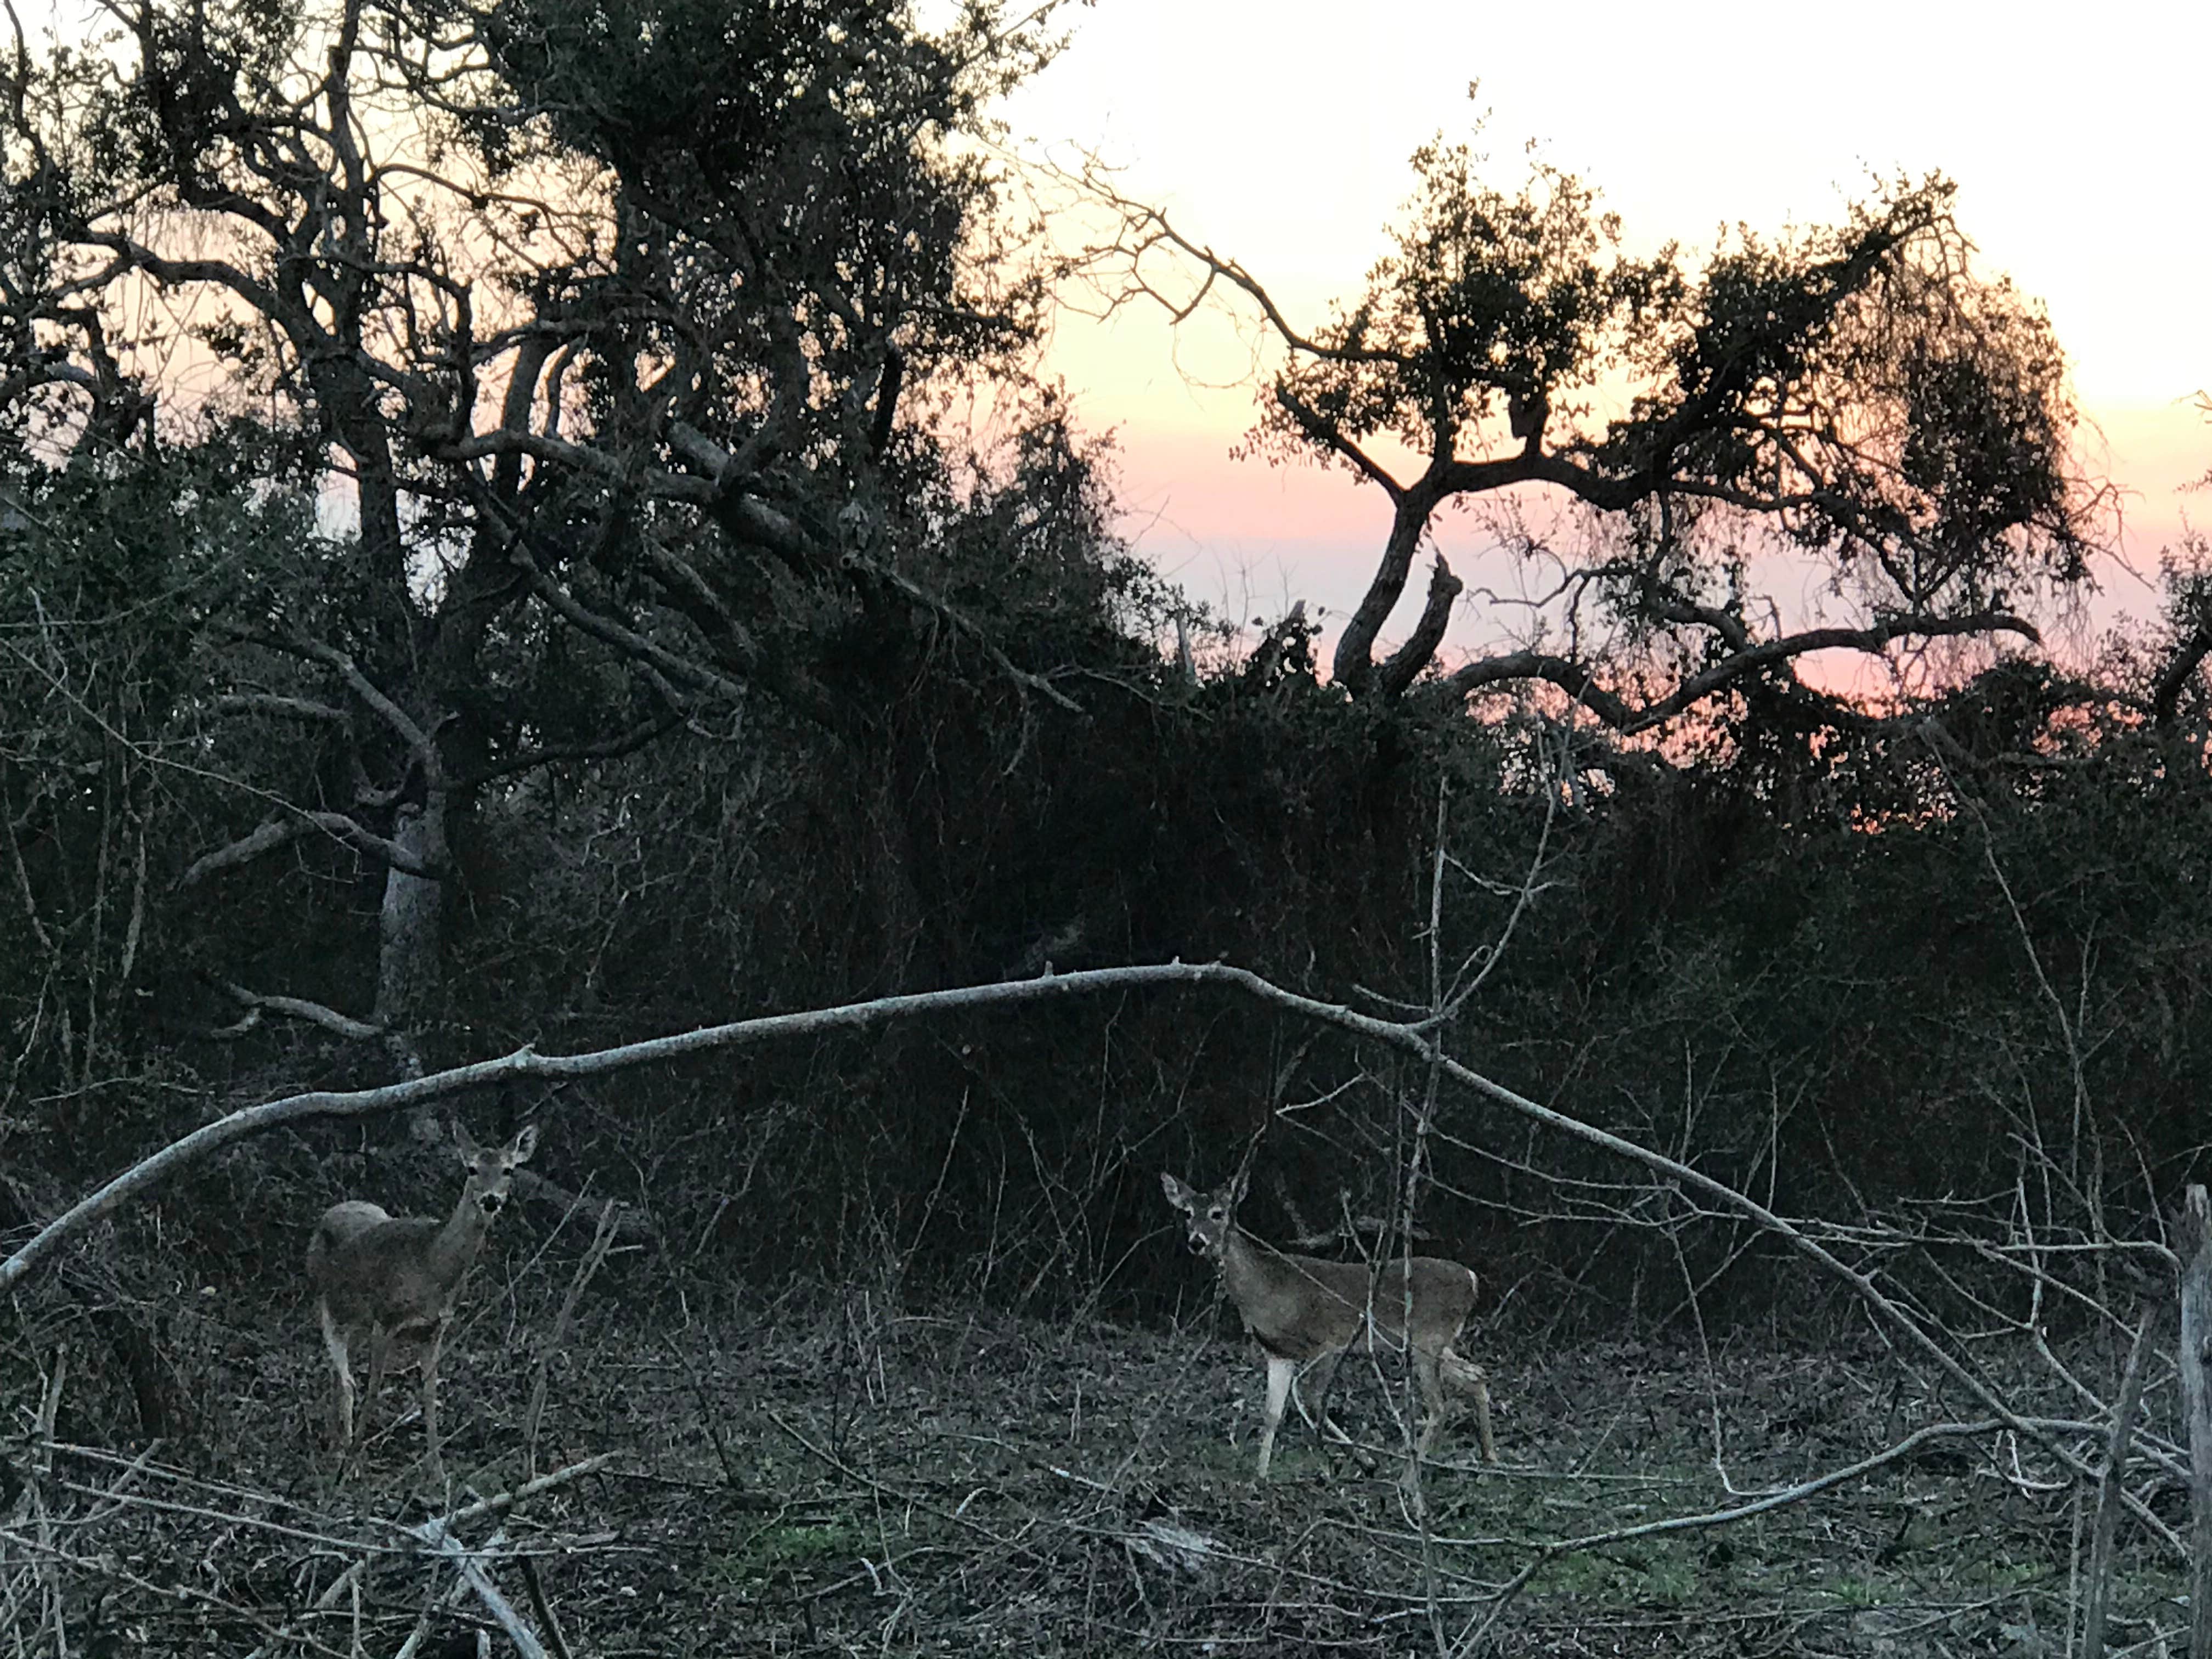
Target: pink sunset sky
[{"x": 1280, "y": 135}]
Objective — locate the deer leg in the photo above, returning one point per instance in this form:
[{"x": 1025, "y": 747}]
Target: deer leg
[
  {"x": 379, "y": 1344},
  {"x": 1325, "y": 1427},
  {"x": 334, "y": 1339},
  {"x": 1280, "y": 1372},
  {"x": 1318, "y": 1419},
  {"x": 1432, "y": 1396},
  {"x": 1478, "y": 1385},
  {"x": 430, "y": 1394}
]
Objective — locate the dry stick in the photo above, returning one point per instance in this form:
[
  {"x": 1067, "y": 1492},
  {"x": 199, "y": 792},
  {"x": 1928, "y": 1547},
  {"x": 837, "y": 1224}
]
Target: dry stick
[
  {"x": 420, "y": 1633},
  {"x": 50, "y": 1577},
  {"x": 49, "y": 1407},
  {"x": 560, "y": 1477},
  {"x": 542, "y": 1605},
  {"x": 603, "y": 1239},
  {"x": 349, "y": 1580},
  {"x": 712, "y": 1420},
  {"x": 2108, "y": 1494},
  {"x": 2196, "y": 1403},
  {"x": 470, "y": 1562},
  {"x": 498, "y": 1502}
]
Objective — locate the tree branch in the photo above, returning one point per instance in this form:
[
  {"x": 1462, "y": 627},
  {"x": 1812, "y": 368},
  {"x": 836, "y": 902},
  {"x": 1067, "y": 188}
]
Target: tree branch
[
  {"x": 269, "y": 702},
  {"x": 257, "y": 1003},
  {"x": 2166, "y": 690},
  {"x": 1404, "y": 665},
  {"x": 278, "y": 832},
  {"x": 1579, "y": 680},
  {"x": 1324, "y": 431},
  {"x": 625, "y": 640},
  {"x": 626, "y": 742}
]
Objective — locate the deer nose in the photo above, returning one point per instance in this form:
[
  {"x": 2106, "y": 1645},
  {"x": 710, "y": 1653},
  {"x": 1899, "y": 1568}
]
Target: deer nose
[{"x": 490, "y": 1203}]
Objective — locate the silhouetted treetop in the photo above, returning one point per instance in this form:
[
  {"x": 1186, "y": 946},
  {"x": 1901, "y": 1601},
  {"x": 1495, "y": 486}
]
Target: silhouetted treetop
[{"x": 1854, "y": 393}]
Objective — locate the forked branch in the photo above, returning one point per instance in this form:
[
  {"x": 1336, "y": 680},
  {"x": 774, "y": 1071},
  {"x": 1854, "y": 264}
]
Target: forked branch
[
  {"x": 1579, "y": 680},
  {"x": 279, "y": 832}
]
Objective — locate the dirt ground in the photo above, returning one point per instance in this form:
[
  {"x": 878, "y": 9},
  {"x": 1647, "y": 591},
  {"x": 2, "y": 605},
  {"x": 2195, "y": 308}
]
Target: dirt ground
[{"x": 828, "y": 1472}]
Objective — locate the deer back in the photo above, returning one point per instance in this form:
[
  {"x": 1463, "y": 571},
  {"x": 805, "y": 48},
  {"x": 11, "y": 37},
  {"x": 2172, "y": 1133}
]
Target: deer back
[
  {"x": 1301, "y": 1307},
  {"x": 401, "y": 1274}
]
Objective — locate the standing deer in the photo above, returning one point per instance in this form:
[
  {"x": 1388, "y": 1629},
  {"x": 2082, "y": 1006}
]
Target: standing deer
[
  {"x": 1303, "y": 1309},
  {"x": 395, "y": 1281}
]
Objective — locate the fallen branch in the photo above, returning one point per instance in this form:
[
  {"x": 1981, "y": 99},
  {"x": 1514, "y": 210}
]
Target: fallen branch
[
  {"x": 339, "y": 1586},
  {"x": 251, "y": 1120},
  {"x": 2108, "y": 1495},
  {"x": 438, "y": 1537},
  {"x": 257, "y": 1003}
]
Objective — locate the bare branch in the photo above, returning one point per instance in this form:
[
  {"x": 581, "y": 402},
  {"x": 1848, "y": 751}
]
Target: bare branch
[
  {"x": 1579, "y": 680},
  {"x": 278, "y": 832},
  {"x": 314, "y": 1013},
  {"x": 626, "y": 743},
  {"x": 269, "y": 702},
  {"x": 626, "y": 639}
]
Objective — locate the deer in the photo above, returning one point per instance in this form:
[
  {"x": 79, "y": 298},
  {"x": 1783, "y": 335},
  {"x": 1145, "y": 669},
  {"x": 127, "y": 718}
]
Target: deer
[
  {"x": 1302, "y": 1309},
  {"x": 394, "y": 1280}
]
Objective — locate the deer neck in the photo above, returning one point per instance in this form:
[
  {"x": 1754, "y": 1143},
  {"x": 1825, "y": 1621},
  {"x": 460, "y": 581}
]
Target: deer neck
[
  {"x": 1248, "y": 1267},
  {"x": 453, "y": 1251}
]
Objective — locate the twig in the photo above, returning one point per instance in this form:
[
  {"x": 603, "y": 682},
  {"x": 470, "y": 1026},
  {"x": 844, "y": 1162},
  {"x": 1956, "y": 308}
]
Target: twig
[
  {"x": 542, "y": 1605},
  {"x": 436, "y": 1534},
  {"x": 453, "y": 1592},
  {"x": 603, "y": 1239},
  {"x": 2108, "y": 1494}
]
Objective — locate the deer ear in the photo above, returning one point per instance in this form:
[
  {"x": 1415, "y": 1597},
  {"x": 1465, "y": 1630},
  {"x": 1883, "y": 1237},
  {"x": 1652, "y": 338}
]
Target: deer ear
[
  {"x": 1178, "y": 1195},
  {"x": 525, "y": 1143},
  {"x": 464, "y": 1144}
]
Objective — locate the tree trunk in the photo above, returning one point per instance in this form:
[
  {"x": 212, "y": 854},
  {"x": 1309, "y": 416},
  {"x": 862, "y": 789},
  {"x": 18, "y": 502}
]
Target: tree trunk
[
  {"x": 2197, "y": 1405},
  {"x": 411, "y": 933}
]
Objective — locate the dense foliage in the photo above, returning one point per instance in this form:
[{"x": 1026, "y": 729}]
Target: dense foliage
[{"x": 494, "y": 549}]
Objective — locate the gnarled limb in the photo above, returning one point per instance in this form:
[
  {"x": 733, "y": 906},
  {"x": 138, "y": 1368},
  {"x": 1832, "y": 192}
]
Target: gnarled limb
[
  {"x": 279, "y": 832},
  {"x": 257, "y": 1004},
  {"x": 1405, "y": 665},
  {"x": 1579, "y": 679}
]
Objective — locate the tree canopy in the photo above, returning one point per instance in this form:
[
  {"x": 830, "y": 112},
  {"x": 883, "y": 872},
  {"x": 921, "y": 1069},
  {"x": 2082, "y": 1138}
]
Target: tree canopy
[
  {"x": 546, "y": 523},
  {"x": 1853, "y": 394},
  {"x": 600, "y": 357}
]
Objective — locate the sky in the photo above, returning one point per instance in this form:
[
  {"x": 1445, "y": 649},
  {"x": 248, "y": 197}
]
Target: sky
[{"x": 1280, "y": 134}]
